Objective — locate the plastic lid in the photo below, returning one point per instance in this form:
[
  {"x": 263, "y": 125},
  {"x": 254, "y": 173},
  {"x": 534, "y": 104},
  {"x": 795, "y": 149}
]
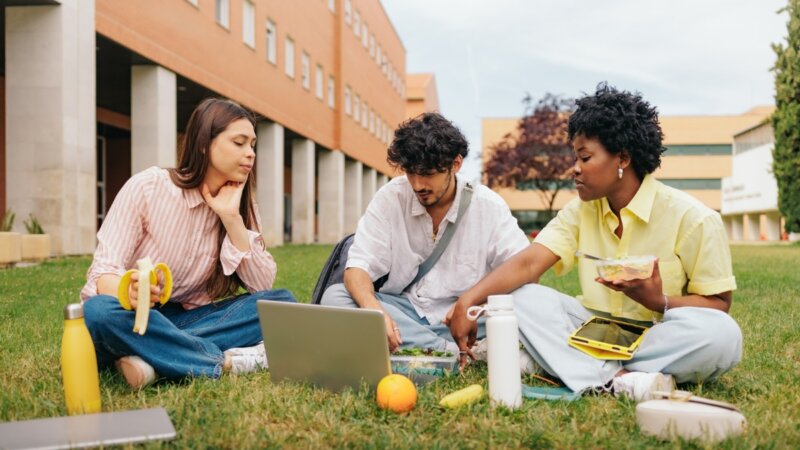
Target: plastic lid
[
  {"x": 501, "y": 302},
  {"x": 73, "y": 311}
]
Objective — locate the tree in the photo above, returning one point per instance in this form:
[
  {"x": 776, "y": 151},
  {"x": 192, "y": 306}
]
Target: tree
[
  {"x": 786, "y": 120},
  {"x": 538, "y": 155}
]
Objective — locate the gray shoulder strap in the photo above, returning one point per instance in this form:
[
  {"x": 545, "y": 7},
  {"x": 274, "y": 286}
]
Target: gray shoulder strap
[{"x": 447, "y": 236}]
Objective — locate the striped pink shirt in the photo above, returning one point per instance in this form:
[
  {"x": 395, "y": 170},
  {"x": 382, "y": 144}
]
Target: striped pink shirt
[{"x": 152, "y": 217}]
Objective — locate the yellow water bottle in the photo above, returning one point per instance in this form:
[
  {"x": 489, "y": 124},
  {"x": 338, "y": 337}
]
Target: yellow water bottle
[{"x": 79, "y": 364}]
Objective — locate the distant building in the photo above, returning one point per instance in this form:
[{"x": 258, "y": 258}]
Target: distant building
[
  {"x": 750, "y": 194},
  {"x": 698, "y": 157},
  {"x": 94, "y": 90},
  {"x": 421, "y": 94}
]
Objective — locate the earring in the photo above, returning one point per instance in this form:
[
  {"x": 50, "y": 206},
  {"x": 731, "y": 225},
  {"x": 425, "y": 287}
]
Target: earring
[{"x": 619, "y": 173}]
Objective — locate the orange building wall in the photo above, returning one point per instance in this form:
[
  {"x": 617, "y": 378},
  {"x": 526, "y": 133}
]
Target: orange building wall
[
  {"x": 187, "y": 40},
  {"x": 2, "y": 146},
  {"x": 421, "y": 94}
]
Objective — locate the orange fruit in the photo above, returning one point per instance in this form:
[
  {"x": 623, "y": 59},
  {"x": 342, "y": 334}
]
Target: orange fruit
[{"x": 396, "y": 393}]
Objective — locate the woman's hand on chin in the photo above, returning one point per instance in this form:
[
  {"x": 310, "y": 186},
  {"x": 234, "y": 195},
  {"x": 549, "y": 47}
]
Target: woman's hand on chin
[{"x": 226, "y": 203}]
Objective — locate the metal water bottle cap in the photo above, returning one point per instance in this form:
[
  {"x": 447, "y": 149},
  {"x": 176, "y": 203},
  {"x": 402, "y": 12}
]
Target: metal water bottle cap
[{"x": 73, "y": 311}]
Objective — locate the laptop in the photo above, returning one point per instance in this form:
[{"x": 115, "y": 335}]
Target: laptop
[
  {"x": 88, "y": 430},
  {"x": 328, "y": 346}
]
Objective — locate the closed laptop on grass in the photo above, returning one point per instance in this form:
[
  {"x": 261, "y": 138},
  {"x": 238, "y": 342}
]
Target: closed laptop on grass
[{"x": 328, "y": 346}]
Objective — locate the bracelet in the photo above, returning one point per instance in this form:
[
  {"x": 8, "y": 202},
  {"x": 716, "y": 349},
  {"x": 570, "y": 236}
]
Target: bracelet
[{"x": 666, "y": 307}]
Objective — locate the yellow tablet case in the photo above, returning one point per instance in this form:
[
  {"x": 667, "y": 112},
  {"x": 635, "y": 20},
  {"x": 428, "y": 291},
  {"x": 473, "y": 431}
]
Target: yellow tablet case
[{"x": 594, "y": 338}]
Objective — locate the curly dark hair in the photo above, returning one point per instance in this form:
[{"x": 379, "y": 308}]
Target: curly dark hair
[
  {"x": 425, "y": 144},
  {"x": 621, "y": 121}
]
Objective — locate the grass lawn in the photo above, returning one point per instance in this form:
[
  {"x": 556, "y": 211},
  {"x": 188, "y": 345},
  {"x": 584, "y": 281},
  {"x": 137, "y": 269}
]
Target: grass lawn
[{"x": 251, "y": 412}]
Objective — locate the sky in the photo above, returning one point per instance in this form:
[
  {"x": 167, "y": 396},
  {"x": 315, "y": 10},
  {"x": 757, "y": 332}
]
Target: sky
[{"x": 684, "y": 56}]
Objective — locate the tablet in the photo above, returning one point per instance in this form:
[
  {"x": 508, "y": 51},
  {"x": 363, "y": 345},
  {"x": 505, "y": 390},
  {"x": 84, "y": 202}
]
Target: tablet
[{"x": 604, "y": 338}]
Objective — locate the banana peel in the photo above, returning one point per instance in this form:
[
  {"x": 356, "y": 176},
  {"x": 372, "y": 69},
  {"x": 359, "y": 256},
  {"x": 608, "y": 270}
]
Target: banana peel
[{"x": 147, "y": 276}]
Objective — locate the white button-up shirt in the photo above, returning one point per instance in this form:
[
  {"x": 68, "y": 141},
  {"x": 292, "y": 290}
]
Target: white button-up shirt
[{"x": 395, "y": 236}]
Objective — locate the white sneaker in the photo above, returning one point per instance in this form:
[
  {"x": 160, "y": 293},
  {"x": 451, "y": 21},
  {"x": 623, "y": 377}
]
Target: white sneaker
[
  {"x": 527, "y": 365},
  {"x": 247, "y": 359},
  {"x": 136, "y": 371},
  {"x": 639, "y": 386}
]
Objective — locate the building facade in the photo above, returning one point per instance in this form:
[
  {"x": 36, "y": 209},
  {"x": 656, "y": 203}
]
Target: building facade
[
  {"x": 699, "y": 155},
  {"x": 96, "y": 90},
  {"x": 750, "y": 194}
]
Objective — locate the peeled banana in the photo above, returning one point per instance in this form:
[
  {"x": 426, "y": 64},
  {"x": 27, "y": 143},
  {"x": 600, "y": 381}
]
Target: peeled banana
[{"x": 147, "y": 276}]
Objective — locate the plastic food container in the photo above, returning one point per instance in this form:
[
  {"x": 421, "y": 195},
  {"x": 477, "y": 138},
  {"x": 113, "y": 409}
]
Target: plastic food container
[
  {"x": 630, "y": 268},
  {"x": 424, "y": 368}
]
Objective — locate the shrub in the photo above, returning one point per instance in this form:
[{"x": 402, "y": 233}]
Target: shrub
[
  {"x": 32, "y": 225},
  {"x": 8, "y": 221}
]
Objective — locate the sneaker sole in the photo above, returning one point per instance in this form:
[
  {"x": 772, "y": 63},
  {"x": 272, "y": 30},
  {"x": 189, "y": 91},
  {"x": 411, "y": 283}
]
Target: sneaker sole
[{"x": 137, "y": 372}]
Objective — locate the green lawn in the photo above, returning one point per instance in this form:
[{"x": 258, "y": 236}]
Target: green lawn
[{"x": 251, "y": 412}]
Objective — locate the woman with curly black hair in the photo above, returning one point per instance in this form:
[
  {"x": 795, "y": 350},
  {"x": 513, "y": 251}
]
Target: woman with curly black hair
[{"x": 622, "y": 211}]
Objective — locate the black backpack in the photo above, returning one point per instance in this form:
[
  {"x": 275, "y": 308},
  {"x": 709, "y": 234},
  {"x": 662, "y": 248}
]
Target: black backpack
[{"x": 333, "y": 270}]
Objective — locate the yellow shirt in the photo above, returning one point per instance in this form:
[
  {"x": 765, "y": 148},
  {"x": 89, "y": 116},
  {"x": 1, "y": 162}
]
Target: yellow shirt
[{"x": 687, "y": 237}]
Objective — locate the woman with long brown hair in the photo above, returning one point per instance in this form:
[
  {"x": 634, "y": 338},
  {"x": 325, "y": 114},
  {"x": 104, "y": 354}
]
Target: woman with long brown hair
[{"x": 201, "y": 220}]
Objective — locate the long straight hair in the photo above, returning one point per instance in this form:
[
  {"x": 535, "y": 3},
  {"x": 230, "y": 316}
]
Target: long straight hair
[{"x": 210, "y": 118}]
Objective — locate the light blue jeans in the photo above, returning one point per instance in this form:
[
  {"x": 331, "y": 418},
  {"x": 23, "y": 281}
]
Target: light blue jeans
[
  {"x": 178, "y": 342},
  {"x": 415, "y": 331},
  {"x": 692, "y": 344}
]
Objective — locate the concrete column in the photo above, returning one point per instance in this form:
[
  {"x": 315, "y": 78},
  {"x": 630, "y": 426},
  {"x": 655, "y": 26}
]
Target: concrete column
[
  {"x": 269, "y": 166},
  {"x": 368, "y": 186},
  {"x": 737, "y": 226},
  {"x": 331, "y": 196},
  {"x": 50, "y": 120},
  {"x": 773, "y": 226},
  {"x": 382, "y": 180},
  {"x": 751, "y": 227},
  {"x": 303, "y": 191},
  {"x": 727, "y": 222},
  {"x": 154, "y": 117},
  {"x": 353, "y": 177}
]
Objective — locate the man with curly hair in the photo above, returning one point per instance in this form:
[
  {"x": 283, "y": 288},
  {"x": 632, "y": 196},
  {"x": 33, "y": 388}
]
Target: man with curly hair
[
  {"x": 622, "y": 211},
  {"x": 405, "y": 221}
]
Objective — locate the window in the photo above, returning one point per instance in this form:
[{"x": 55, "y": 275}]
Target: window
[
  {"x": 318, "y": 81},
  {"x": 379, "y": 56},
  {"x": 332, "y": 5},
  {"x": 356, "y": 109},
  {"x": 347, "y": 108},
  {"x": 305, "y": 71},
  {"x": 272, "y": 42},
  {"x": 364, "y": 115},
  {"x": 289, "y": 57},
  {"x": 223, "y": 13},
  {"x": 348, "y": 11},
  {"x": 248, "y": 23},
  {"x": 331, "y": 91},
  {"x": 357, "y": 24},
  {"x": 385, "y": 65},
  {"x": 364, "y": 34},
  {"x": 377, "y": 125},
  {"x": 372, "y": 45}
]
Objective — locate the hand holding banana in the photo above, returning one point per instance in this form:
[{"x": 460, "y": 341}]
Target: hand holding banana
[{"x": 145, "y": 276}]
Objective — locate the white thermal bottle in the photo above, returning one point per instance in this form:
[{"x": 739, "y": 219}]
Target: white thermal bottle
[{"x": 502, "y": 335}]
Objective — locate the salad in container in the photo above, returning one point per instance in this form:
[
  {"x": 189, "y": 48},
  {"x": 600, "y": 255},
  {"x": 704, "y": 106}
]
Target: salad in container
[{"x": 626, "y": 269}]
